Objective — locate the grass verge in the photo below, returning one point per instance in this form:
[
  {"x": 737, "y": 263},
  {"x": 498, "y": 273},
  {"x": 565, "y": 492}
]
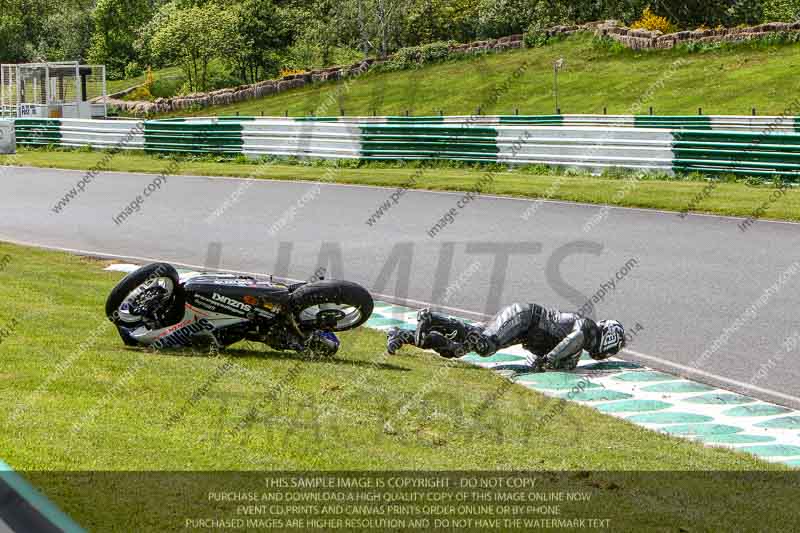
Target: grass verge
[
  {"x": 719, "y": 81},
  {"x": 734, "y": 198},
  {"x": 76, "y": 399}
]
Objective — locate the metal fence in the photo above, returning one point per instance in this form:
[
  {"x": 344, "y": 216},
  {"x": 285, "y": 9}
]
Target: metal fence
[{"x": 757, "y": 146}]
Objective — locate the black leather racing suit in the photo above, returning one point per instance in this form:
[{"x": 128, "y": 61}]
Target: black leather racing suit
[{"x": 555, "y": 339}]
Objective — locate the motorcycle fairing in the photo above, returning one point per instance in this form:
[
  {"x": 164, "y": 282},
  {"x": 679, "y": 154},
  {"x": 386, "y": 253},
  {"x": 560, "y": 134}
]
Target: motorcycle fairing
[
  {"x": 194, "y": 325},
  {"x": 236, "y": 295}
]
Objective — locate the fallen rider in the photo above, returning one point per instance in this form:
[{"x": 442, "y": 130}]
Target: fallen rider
[{"x": 555, "y": 339}]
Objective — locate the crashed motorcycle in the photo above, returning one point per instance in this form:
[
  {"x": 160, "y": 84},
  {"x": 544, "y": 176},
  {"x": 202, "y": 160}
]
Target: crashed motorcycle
[{"x": 154, "y": 307}]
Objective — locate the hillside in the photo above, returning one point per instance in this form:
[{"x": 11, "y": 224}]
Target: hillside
[{"x": 728, "y": 80}]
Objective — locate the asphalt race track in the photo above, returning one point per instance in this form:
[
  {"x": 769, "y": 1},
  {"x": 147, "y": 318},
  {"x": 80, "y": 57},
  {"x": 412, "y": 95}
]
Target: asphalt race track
[{"x": 715, "y": 303}]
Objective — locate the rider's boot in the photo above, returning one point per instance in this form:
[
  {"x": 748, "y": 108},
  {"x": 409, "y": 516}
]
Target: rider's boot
[
  {"x": 442, "y": 345},
  {"x": 396, "y": 337},
  {"x": 449, "y": 336},
  {"x": 428, "y": 321}
]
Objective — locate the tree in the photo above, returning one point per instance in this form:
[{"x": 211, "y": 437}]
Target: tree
[
  {"x": 426, "y": 21},
  {"x": 116, "y": 27},
  {"x": 192, "y": 37},
  {"x": 782, "y": 10},
  {"x": 12, "y": 29},
  {"x": 67, "y": 30},
  {"x": 262, "y": 33}
]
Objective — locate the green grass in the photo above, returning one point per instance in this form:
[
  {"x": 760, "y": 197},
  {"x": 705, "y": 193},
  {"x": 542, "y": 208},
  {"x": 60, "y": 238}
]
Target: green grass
[
  {"x": 76, "y": 399},
  {"x": 728, "y": 198},
  {"x": 731, "y": 80},
  {"x": 167, "y": 75}
]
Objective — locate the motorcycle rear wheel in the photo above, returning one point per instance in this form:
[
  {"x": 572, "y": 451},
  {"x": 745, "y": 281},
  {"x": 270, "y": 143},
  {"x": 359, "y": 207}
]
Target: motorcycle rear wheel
[{"x": 331, "y": 305}]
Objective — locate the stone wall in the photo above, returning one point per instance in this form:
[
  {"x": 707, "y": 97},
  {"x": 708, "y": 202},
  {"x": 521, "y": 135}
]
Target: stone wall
[
  {"x": 263, "y": 88},
  {"x": 635, "y": 39},
  {"x": 645, "y": 39}
]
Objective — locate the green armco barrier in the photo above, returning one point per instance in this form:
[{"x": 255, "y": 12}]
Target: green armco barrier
[
  {"x": 767, "y": 147},
  {"x": 695, "y": 122},
  {"x": 316, "y": 119},
  {"x": 443, "y": 130},
  {"x": 225, "y": 136},
  {"x": 417, "y": 141},
  {"x": 738, "y": 136},
  {"x": 755, "y": 153},
  {"x": 403, "y": 119},
  {"x": 532, "y": 119},
  {"x": 35, "y": 131}
]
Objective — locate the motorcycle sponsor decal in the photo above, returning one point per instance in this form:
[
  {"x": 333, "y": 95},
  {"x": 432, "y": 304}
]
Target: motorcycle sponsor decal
[
  {"x": 237, "y": 282},
  {"x": 182, "y": 336},
  {"x": 252, "y": 300},
  {"x": 262, "y": 313},
  {"x": 204, "y": 303},
  {"x": 219, "y": 303},
  {"x": 231, "y": 302}
]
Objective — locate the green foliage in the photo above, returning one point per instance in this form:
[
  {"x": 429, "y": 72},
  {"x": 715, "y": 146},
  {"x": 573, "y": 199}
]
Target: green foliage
[
  {"x": 505, "y": 17},
  {"x": 193, "y": 37},
  {"x": 544, "y": 15},
  {"x": 116, "y": 25},
  {"x": 416, "y": 56},
  {"x": 608, "y": 46},
  {"x": 426, "y": 21},
  {"x": 255, "y": 39},
  {"x": 767, "y": 41},
  {"x": 260, "y": 35},
  {"x": 139, "y": 94},
  {"x": 691, "y": 14},
  {"x": 133, "y": 70},
  {"x": 782, "y": 10}
]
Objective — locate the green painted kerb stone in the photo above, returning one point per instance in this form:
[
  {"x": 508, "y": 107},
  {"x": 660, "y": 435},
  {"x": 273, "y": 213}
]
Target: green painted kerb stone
[
  {"x": 786, "y": 422},
  {"x": 611, "y": 365},
  {"x": 678, "y": 387},
  {"x": 633, "y": 406},
  {"x": 669, "y": 418},
  {"x": 701, "y": 430},
  {"x": 496, "y": 358},
  {"x": 772, "y": 450},
  {"x": 722, "y": 398},
  {"x": 596, "y": 395},
  {"x": 385, "y": 322},
  {"x": 736, "y": 438},
  {"x": 393, "y": 310},
  {"x": 761, "y": 409},
  {"x": 557, "y": 381},
  {"x": 644, "y": 376}
]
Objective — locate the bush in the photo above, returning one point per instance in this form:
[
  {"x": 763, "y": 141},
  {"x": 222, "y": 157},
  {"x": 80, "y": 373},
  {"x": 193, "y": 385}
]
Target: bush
[
  {"x": 608, "y": 45},
  {"x": 651, "y": 21},
  {"x": 167, "y": 87},
  {"x": 415, "y": 56},
  {"x": 139, "y": 94},
  {"x": 536, "y": 38},
  {"x": 436, "y": 51},
  {"x": 781, "y": 10},
  {"x": 545, "y": 16},
  {"x": 133, "y": 70}
]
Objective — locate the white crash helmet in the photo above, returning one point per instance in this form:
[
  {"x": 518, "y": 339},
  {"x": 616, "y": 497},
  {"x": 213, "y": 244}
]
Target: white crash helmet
[{"x": 612, "y": 337}]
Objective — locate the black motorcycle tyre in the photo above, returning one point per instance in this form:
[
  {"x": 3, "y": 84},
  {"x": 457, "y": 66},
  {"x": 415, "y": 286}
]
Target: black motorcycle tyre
[
  {"x": 173, "y": 314},
  {"x": 335, "y": 292}
]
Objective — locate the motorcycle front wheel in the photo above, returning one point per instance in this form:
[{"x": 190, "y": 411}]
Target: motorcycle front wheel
[
  {"x": 331, "y": 305},
  {"x": 151, "y": 292}
]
